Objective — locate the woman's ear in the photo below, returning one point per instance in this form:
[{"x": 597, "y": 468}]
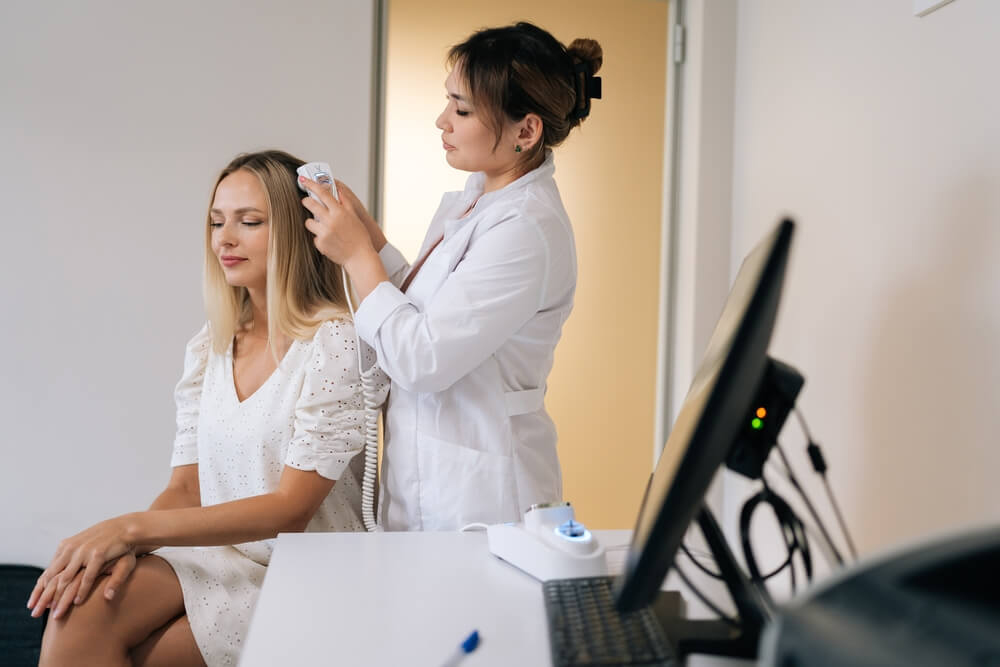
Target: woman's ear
[{"x": 529, "y": 131}]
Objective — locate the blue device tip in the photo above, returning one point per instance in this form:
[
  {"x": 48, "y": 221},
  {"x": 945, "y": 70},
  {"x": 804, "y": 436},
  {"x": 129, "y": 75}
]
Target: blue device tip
[{"x": 470, "y": 644}]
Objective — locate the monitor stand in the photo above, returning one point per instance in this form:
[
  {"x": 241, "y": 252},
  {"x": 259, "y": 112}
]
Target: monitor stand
[{"x": 713, "y": 636}]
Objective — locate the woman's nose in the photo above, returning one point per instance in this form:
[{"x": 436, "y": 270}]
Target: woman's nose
[
  {"x": 227, "y": 237},
  {"x": 441, "y": 123}
]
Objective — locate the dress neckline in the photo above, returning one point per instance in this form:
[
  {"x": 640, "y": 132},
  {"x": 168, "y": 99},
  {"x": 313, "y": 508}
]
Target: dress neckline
[{"x": 231, "y": 373}]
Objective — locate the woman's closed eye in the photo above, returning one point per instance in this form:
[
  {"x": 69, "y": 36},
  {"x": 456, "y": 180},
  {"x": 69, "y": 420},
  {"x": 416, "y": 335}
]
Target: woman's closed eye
[
  {"x": 249, "y": 223},
  {"x": 453, "y": 99}
]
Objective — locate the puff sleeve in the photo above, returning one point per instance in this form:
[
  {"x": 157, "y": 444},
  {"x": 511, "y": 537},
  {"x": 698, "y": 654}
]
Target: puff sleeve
[
  {"x": 187, "y": 396},
  {"x": 329, "y": 413}
]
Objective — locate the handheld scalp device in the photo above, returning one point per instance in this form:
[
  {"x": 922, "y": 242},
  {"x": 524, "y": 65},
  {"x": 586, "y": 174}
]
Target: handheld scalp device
[{"x": 321, "y": 173}]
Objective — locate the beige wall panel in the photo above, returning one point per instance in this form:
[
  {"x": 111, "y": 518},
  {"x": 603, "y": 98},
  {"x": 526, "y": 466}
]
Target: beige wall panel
[{"x": 601, "y": 390}]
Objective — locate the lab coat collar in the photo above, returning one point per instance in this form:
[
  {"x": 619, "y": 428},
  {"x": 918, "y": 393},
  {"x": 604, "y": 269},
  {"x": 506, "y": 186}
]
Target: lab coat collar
[{"x": 474, "y": 190}]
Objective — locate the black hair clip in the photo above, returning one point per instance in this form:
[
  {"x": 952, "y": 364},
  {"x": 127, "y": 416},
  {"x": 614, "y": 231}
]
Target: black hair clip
[
  {"x": 593, "y": 87},
  {"x": 587, "y": 86}
]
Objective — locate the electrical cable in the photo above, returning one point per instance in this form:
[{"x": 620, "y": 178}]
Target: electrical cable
[
  {"x": 793, "y": 534},
  {"x": 812, "y": 510},
  {"x": 714, "y": 575},
  {"x": 702, "y": 553},
  {"x": 819, "y": 465},
  {"x": 811, "y": 530},
  {"x": 477, "y": 525},
  {"x": 729, "y": 620},
  {"x": 840, "y": 519},
  {"x": 320, "y": 173},
  {"x": 368, "y": 392}
]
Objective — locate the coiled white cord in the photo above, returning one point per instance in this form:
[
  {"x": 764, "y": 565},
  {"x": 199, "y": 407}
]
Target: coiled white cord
[
  {"x": 320, "y": 172},
  {"x": 371, "y": 426}
]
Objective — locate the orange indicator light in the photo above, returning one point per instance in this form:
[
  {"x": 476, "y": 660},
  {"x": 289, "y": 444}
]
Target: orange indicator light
[{"x": 761, "y": 412}]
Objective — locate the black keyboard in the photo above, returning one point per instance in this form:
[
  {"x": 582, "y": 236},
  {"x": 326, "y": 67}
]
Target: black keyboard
[{"x": 586, "y": 629}]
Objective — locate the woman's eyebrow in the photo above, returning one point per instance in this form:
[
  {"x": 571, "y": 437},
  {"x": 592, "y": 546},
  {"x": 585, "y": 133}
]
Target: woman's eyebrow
[{"x": 245, "y": 209}]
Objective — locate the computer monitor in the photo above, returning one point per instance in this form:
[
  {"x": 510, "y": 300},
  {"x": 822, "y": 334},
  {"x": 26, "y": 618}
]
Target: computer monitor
[{"x": 716, "y": 408}]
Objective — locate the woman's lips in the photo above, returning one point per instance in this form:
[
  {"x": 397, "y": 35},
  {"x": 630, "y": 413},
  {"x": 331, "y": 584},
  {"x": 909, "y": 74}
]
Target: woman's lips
[{"x": 232, "y": 261}]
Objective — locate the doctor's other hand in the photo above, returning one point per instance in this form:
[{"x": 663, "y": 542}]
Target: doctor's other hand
[
  {"x": 341, "y": 234},
  {"x": 86, "y": 554}
]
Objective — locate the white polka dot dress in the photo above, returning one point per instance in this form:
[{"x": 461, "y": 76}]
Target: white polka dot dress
[{"x": 308, "y": 415}]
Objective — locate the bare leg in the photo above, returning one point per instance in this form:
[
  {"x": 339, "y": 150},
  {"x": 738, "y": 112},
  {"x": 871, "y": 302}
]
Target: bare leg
[
  {"x": 101, "y": 632},
  {"x": 171, "y": 645}
]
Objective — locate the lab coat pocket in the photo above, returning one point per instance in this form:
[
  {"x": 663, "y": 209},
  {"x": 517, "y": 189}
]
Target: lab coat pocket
[{"x": 461, "y": 485}]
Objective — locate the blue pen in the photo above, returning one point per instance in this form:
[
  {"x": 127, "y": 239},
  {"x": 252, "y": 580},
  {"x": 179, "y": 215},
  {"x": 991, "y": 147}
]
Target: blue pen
[{"x": 465, "y": 648}]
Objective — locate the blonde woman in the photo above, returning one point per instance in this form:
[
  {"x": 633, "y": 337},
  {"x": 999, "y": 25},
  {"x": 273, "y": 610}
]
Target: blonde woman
[{"x": 263, "y": 446}]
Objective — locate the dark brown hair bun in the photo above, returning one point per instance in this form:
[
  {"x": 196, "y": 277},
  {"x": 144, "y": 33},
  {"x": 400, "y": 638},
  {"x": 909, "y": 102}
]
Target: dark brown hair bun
[
  {"x": 520, "y": 69},
  {"x": 587, "y": 51}
]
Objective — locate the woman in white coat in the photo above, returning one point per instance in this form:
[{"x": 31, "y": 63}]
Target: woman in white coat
[{"x": 467, "y": 333}]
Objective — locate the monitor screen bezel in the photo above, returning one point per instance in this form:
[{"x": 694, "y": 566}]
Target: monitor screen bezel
[{"x": 733, "y": 387}]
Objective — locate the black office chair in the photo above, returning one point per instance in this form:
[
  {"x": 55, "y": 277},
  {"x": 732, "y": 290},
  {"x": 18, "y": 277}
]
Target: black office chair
[{"x": 20, "y": 634}]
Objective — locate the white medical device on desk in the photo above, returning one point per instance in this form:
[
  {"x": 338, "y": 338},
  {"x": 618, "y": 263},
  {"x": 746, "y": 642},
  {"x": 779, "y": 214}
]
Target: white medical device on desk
[{"x": 549, "y": 544}]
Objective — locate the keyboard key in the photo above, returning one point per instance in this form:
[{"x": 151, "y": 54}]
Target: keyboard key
[{"x": 586, "y": 629}]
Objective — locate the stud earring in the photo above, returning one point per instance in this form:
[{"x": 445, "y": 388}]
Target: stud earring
[{"x": 517, "y": 148}]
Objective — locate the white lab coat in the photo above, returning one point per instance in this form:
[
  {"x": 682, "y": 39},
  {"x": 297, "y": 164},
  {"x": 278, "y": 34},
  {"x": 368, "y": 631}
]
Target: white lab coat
[{"x": 468, "y": 348}]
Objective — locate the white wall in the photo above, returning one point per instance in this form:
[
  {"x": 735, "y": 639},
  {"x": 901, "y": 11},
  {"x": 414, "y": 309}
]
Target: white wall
[
  {"x": 880, "y": 133},
  {"x": 701, "y": 155},
  {"x": 115, "y": 118}
]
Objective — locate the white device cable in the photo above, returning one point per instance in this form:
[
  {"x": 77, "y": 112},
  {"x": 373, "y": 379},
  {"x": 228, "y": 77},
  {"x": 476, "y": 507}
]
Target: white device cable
[
  {"x": 320, "y": 172},
  {"x": 477, "y": 525},
  {"x": 371, "y": 426}
]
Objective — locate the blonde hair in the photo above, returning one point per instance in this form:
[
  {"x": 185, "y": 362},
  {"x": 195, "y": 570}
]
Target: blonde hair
[{"x": 304, "y": 288}]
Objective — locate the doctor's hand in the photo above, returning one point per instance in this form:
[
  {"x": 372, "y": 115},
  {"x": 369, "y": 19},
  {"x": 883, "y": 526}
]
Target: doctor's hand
[
  {"x": 341, "y": 232},
  {"x": 374, "y": 231},
  {"x": 78, "y": 562}
]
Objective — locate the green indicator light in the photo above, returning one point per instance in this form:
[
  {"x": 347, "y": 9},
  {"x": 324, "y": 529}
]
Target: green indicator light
[{"x": 757, "y": 424}]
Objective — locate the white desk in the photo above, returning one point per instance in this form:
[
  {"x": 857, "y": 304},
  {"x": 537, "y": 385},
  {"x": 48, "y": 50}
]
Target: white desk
[{"x": 400, "y": 599}]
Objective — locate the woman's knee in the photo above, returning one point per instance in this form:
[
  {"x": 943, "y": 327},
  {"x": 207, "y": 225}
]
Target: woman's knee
[
  {"x": 149, "y": 599},
  {"x": 84, "y": 635}
]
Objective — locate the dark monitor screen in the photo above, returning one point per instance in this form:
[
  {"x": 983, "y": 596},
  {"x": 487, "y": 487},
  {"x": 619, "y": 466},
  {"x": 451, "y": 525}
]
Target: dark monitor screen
[{"x": 716, "y": 407}]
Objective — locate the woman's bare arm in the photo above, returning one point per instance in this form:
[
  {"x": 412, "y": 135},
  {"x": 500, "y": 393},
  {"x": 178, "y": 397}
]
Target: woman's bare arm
[
  {"x": 287, "y": 509},
  {"x": 183, "y": 490}
]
